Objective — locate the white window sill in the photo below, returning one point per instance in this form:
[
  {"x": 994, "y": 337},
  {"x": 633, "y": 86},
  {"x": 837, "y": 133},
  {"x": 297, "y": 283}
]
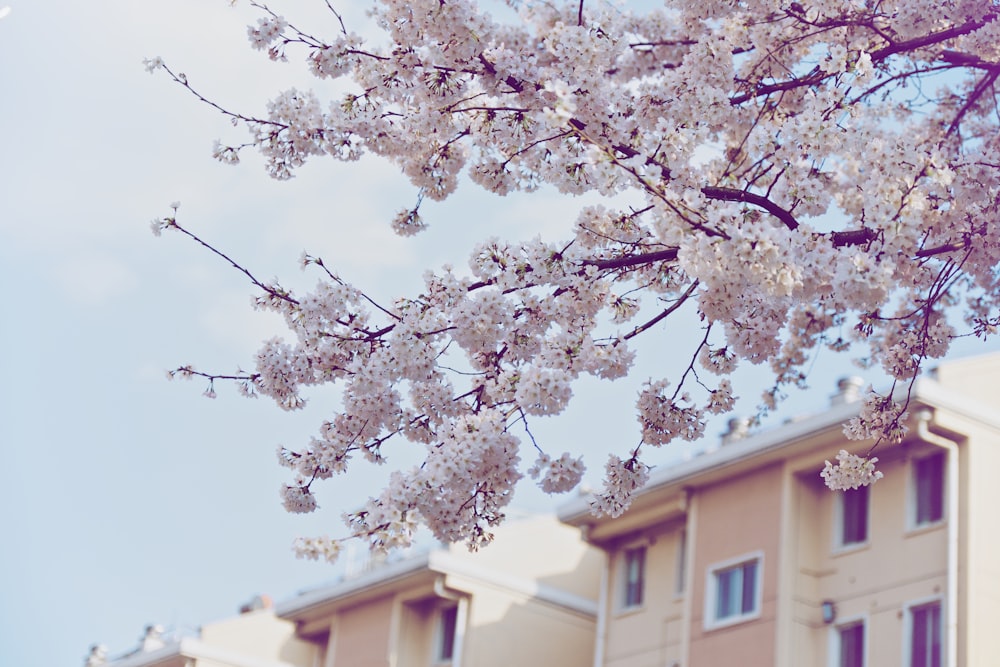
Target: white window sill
[
  {"x": 846, "y": 549},
  {"x": 731, "y": 621},
  {"x": 921, "y": 528}
]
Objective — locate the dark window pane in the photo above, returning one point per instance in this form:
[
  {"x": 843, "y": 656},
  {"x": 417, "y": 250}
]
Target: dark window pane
[
  {"x": 726, "y": 596},
  {"x": 449, "y": 618},
  {"x": 930, "y": 488},
  {"x": 681, "y": 562},
  {"x": 635, "y": 574},
  {"x": 925, "y": 642},
  {"x": 852, "y": 646},
  {"x": 749, "y": 587},
  {"x": 935, "y": 634},
  {"x": 855, "y": 516},
  {"x": 736, "y": 590}
]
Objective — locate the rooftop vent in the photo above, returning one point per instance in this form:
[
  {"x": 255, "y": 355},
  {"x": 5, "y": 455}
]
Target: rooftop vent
[
  {"x": 97, "y": 657},
  {"x": 738, "y": 428},
  {"x": 257, "y": 602},
  {"x": 848, "y": 390},
  {"x": 152, "y": 638}
]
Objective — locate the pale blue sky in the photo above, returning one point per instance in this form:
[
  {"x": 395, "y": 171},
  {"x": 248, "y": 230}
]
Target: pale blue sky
[{"x": 126, "y": 499}]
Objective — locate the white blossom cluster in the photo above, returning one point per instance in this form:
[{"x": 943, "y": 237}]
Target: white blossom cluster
[
  {"x": 880, "y": 418},
  {"x": 850, "y": 472},
  {"x": 315, "y": 548},
  {"x": 297, "y": 498},
  {"x": 561, "y": 474},
  {"x": 621, "y": 480},
  {"x": 799, "y": 176}
]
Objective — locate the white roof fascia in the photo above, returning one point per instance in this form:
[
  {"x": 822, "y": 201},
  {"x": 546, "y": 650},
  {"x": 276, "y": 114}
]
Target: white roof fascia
[
  {"x": 444, "y": 562},
  {"x": 925, "y": 390},
  {"x": 202, "y": 651},
  {"x": 729, "y": 454},
  {"x": 189, "y": 647},
  {"x": 932, "y": 393},
  {"x": 380, "y": 575}
]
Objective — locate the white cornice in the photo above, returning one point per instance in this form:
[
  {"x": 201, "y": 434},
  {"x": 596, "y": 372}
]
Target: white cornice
[
  {"x": 449, "y": 564},
  {"x": 438, "y": 562}
]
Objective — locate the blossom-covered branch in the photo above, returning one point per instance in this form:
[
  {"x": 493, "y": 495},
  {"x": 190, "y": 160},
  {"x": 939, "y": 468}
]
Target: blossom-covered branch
[{"x": 796, "y": 176}]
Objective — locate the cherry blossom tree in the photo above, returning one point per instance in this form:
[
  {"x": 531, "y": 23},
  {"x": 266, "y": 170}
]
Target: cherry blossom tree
[{"x": 802, "y": 175}]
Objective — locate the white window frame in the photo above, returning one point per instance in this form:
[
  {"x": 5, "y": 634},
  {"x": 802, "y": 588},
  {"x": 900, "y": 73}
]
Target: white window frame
[
  {"x": 914, "y": 492},
  {"x": 711, "y": 621},
  {"x": 908, "y": 627},
  {"x": 624, "y": 604},
  {"x": 834, "y": 656},
  {"x": 839, "y": 545}
]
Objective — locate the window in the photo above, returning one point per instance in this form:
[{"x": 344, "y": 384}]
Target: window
[
  {"x": 681, "y": 582},
  {"x": 733, "y": 592},
  {"x": 928, "y": 487},
  {"x": 634, "y": 577},
  {"x": 447, "y": 625},
  {"x": 850, "y": 645},
  {"x": 925, "y": 635},
  {"x": 853, "y": 523}
]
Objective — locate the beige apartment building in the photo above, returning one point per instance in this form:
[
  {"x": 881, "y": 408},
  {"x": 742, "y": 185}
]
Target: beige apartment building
[
  {"x": 530, "y": 600},
  {"x": 742, "y": 557},
  {"x": 737, "y": 557}
]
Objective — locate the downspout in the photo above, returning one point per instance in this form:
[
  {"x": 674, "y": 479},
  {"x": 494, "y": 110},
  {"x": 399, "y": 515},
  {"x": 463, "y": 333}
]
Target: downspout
[
  {"x": 460, "y": 617},
  {"x": 690, "y": 535},
  {"x": 602, "y": 610},
  {"x": 951, "y": 449}
]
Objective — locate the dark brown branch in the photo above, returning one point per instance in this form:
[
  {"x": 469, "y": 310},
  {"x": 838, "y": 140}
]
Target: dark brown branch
[
  {"x": 966, "y": 60},
  {"x": 933, "y": 38},
  {"x": 939, "y": 250},
  {"x": 488, "y": 67},
  {"x": 980, "y": 88},
  {"x": 731, "y": 194},
  {"x": 853, "y": 237},
  {"x": 270, "y": 290},
  {"x": 816, "y": 76},
  {"x": 181, "y": 78},
  {"x": 668, "y": 255},
  {"x": 666, "y": 312},
  {"x": 188, "y": 372},
  {"x": 838, "y": 239}
]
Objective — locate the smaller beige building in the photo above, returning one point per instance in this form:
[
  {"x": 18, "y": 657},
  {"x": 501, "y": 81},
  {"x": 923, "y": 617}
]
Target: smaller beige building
[
  {"x": 741, "y": 556},
  {"x": 255, "y": 638},
  {"x": 529, "y": 599}
]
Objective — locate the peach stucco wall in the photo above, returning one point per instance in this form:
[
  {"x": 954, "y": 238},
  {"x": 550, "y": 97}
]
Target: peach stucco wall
[
  {"x": 650, "y": 635},
  {"x": 873, "y": 581},
  {"x": 363, "y": 633},
  {"x": 738, "y": 517}
]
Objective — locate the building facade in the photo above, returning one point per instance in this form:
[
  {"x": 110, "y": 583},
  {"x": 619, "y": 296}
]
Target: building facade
[
  {"x": 741, "y": 556},
  {"x": 530, "y": 600},
  {"x": 254, "y": 638}
]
